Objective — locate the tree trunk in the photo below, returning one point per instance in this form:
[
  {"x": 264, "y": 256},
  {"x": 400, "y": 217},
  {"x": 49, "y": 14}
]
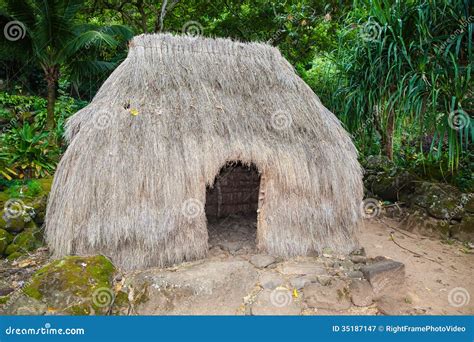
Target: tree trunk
[
  {"x": 388, "y": 141},
  {"x": 52, "y": 76}
]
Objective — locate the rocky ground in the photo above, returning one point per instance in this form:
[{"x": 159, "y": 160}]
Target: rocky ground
[
  {"x": 396, "y": 273},
  {"x": 417, "y": 258}
]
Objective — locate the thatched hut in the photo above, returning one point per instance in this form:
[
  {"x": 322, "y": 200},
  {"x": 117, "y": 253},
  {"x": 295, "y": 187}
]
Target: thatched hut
[{"x": 132, "y": 182}]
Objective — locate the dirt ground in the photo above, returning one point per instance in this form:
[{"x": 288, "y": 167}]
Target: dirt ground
[
  {"x": 436, "y": 269},
  {"x": 433, "y": 267},
  {"x": 236, "y": 279},
  {"x": 438, "y": 280}
]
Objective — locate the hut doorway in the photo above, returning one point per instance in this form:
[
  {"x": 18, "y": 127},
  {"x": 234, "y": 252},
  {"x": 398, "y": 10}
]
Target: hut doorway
[{"x": 231, "y": 208}]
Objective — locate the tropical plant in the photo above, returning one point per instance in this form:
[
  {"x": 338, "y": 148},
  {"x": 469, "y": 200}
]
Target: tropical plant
[
  {"x": 29, "y": 152},
  {"x": 55, "y": 40},
  {"x": 408, "y": 66},
  {"x": 5, "y": 169}
]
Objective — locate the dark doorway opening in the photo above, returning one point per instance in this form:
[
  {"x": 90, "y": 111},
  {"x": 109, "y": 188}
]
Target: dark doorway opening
[{"x": 231, "y": 208}]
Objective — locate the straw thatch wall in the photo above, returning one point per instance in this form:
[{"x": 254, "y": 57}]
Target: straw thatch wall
[{"x": 132, "y": 183}]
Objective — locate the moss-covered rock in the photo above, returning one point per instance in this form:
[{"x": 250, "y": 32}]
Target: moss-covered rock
[
  {"x": 14, "y": 255},
  {"x": 3, "y": 299},
  {"x": 441, "y": 201},
  {"x": 74, "y": 285},
  {"x": 464, "y": 231},
  {"x": 38, "y": 203},
  {"x": 39, "y": 207},
  {"x": 3, "y": 198},
  {"x": 26, "y": 241},
  {"x": 377, "y": 163},
  {"x": 29, "y": 240},
  {"x": 31, "y": 204},
  {"x": 418, "y": 221},
  {"x": 16, "y": 222},
  {"x": 390, "y": 187},
  {"x": 383, "y": 179},
  {"x": 5, "y": 239},
  {"x": 46, "y": 184},
  {"x": 469, "y": 203},
  {"x": 11, "y": 224},
  {"x": 11, "y": 249}
]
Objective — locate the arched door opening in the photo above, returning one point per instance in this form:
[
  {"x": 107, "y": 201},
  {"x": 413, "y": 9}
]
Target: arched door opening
[{"x": 231, "y": 208}]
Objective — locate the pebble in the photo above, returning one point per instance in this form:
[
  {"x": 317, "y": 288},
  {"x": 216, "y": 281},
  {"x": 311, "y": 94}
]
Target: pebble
[
  {"x": 300, "y": 282},
  {"x": 261, "y": 260},
  {"x": 358, "y": 259},
  {"x": 270, "y": 280}
]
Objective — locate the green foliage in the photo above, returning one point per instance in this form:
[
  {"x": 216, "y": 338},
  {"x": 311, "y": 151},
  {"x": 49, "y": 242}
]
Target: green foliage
[
  {"x": 15, "y": 109},
  {"x": 56, "y": 42},
  {"x": 30, "y": 151},
  {"x": 393, "y": 71},
  {"x": 324, "y": 78},
  {"x": 403, "y": 68},
  {"x": 6, "y": 171},
  {"x": 26, "y": 149},
  {"x": 297, "y": 27},
  {"x": 15, "y": 104},
  {"x": 29, "y": 188},
  {"x": 53, "y": 34}
]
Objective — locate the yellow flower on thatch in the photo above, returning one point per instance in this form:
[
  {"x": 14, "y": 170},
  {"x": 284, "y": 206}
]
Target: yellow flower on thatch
[
  {"x": 295, "y": 293},
  {"x": 134, "y": 111}
]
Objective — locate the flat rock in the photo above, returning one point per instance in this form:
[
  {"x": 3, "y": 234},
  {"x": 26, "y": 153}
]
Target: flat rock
[
  {"x": 270, "y": 280},
  {"x": 333, "y": 297},
  {"x": 361, "y": 293},
  {"x": 300, "y": 282},
  {"x": 358, "y": 259},
  {"x": 385, "y": 275},
  {"x": 262, "y": 260},
  {"x": 202, "y": 288},
  {"x": 23, "y": 305},
  {"x": 360, "y": 251},
  {"x": 392, "y": 305},
  {"x": 324, "y": 280},
  {"x": 355, "y": 275},
  {"x": 275, "y": 302},
  {"x": 302, "y": 268},
  {"x": 5, "y": 288},
  {"x": 215, "y": 251},
  {"x": 231, "y": 246}
]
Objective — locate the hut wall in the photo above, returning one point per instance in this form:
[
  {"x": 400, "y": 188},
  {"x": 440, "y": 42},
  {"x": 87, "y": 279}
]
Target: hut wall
[{"x": 235, "y": 191}]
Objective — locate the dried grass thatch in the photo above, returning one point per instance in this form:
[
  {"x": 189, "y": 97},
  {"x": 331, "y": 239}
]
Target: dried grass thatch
[{"x": 132, "y": 183}]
